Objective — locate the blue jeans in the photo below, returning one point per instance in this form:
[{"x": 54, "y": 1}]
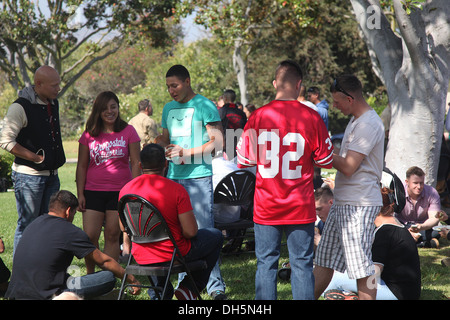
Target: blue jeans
[
  {"x": 32, "y": 198},
  {"x": 201, "y": 195},
  {"x": 300, "y": 240},
  {"x": 92, "y": 285},
  {"x": 200, "y": 192},
  {"x": 206, "y": 245}
]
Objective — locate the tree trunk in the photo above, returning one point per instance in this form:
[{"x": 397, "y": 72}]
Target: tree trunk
[
  {"x": 414, "y": 69},
  {"x": 240, "y": 67}
]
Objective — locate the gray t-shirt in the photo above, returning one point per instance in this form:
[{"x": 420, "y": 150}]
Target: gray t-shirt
[{"x": 364, "y": 135}]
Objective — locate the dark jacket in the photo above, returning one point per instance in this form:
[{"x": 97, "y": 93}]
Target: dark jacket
[{"x": 42, "y": 132}]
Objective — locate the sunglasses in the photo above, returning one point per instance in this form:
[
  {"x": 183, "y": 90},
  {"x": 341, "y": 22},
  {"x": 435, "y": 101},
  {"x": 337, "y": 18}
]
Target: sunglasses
[{"x": 340, "y": 89}]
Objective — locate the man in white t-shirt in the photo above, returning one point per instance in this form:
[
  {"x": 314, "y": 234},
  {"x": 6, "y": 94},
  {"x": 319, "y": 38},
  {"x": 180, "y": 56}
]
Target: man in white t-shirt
[{"x": 348, "y": 234}]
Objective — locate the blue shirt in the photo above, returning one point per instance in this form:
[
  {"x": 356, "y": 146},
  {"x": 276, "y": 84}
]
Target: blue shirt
[{"x": 322, "y": 109}]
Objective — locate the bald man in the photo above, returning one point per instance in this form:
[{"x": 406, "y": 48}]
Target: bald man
[{"x": 31, "y": 132}]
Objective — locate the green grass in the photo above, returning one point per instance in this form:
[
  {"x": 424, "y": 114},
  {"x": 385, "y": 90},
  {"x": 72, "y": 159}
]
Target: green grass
[
  {"x": 71, "y": 149},
  {"x": 237, "y": 271}
]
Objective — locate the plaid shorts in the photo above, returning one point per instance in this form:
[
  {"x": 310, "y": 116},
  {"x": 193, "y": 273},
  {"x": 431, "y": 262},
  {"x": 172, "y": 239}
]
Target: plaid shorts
[{"x": 346, "y": 242}]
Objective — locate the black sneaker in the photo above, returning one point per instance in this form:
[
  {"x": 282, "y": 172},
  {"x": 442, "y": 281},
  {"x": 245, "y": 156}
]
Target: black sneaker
[
  {"x": 218, "y": 295},
  {"x": 285, "y": 272}
]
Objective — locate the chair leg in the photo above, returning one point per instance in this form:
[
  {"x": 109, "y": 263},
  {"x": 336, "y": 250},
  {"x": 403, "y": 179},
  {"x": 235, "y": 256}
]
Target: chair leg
[
  {"x": 196, "y": 291},
  {"x": 124, "y": 280},
  {"x": 191, "y": 279},
  {"x": 122, "y": 287}
]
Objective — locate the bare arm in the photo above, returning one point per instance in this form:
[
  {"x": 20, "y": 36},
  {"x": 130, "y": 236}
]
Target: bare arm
[
  {"x": 134, "y": 149},
  {"x": 82, "y": 165},
  {"x": 432, "y": 221},
  {"x": 215, "y": 142},
  {"x": 349, "y": 164},
  {"x": 164, "y": 138},
  {"x": 105, "y": 262},
  {"x": 188, "y": 223}
]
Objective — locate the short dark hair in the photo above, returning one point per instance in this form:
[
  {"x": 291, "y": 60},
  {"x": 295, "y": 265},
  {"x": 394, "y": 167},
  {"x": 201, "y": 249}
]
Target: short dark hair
[
  {"x": 324, "y": 193},
  {"x": 348, "y": 82},
  {"x": 178, "y": 71},
  {"x": 144, "y": 104},
  {"x": 414, "y": 171},
  {"x": 229, "y": 95},
  {"x": 152, "y": 157},
  {"x": 250, "y": 107},
  {"x": 314, "y": 90},
  {"x": 61, "y": 201},
  {"x": 288, "y": 70}
]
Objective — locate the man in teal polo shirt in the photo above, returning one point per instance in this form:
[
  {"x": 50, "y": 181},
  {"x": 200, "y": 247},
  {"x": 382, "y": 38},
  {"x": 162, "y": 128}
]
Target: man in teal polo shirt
[{"x": 192, "y": 133}]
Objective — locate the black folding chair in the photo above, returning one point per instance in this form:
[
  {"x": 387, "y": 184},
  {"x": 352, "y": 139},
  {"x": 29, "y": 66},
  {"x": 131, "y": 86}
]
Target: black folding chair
[
  {"x": 144, "y": 224},
  {"x": 237, "y": 189}
]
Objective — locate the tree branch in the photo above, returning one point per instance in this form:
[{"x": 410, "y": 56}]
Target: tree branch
[
  {"x": 86, "y": 38},
  {"x": 380, "y": 38},
  {"x": 88, "y": 66},
  {"x": 412, "y": 34}
]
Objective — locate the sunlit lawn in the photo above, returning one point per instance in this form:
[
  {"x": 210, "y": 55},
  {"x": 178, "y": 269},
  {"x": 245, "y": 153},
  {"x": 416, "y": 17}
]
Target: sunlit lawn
[{"x": 238, "y": 271}]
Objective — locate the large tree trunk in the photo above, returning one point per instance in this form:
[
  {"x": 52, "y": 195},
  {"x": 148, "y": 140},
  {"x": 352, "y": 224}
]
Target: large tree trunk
[{"x": 415, "y": 71}]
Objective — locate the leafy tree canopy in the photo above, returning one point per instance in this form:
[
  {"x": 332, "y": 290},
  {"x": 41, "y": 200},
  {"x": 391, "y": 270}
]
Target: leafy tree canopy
[{"x": 51, "y": 33}]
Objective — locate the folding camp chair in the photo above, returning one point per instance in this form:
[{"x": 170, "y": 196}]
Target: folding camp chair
[
  {"x": 144, "y": 224},
  {"x": 237, "y": 189}
]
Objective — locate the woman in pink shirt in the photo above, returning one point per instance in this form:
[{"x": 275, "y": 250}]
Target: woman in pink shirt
[{"x": 107, "y": 149}]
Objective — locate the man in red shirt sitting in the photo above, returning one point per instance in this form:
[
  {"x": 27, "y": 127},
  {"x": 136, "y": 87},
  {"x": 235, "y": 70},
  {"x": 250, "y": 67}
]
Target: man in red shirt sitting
[{"x": 172, "y": 200}]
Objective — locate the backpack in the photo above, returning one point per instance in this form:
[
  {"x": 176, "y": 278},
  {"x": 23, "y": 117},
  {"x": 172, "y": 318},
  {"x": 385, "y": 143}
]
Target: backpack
[{"x": 392, "y": 181}]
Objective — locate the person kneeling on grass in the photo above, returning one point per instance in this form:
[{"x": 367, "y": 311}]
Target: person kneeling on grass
[
  {"x": 172, "y": 200},
  {"x": 46, "y": 250},
  {"x": 395, "y": 255}
]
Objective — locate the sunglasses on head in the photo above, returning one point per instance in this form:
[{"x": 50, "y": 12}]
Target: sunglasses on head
[{"x": 340, "y": 89}]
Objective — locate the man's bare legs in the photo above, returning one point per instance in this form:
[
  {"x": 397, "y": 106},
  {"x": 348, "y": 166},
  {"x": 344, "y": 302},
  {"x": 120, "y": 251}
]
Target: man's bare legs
[
  {"x": 366, "y": 290},
  {"x": 322, "y": 277}
]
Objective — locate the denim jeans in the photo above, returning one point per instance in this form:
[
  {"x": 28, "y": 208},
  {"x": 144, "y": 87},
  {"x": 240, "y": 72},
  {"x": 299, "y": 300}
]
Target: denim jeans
[
  {"x": 206, "y": 245},
  {"x": 92, "y": 285},
  {"x": 32, "y": 198},
  {"x": 200, "y": 192},
  {"x": 300, "y": 239},
  {"x": 201, "y": 196}
]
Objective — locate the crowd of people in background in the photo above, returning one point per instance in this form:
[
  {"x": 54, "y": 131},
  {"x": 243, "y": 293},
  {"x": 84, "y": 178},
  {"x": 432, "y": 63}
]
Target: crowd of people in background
[{"x": 347, "y": 240}]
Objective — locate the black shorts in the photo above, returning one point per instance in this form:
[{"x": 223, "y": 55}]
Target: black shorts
[{"x": 101, "y": 200}]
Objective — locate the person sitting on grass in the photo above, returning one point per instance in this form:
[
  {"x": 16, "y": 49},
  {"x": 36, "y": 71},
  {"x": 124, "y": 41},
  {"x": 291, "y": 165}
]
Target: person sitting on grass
[
  {"x": 423, "y": 203},
  {"x": 396, "y": 259},
  {"x": 323, "y": 201},
  {"x": 46, "y": 251}
]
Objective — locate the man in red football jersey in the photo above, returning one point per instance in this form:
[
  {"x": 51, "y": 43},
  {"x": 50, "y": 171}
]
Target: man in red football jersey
[{"x": 285, "y": 139}]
